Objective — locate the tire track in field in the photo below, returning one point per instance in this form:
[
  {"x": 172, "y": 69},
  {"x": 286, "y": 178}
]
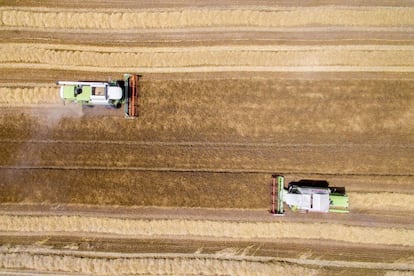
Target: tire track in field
[
  {"x": 200, "y": 170},
  {"x": 202, "y": 143},
  {"x": 206, "y": 157},
  {"x": 192, "y": 156},
  {"x": 216, "y": 36},
  {"x": 219, "y": 69},
  {"x": 232, "y": 160}
]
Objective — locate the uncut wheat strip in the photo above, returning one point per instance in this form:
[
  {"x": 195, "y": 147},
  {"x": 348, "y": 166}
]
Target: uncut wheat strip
[
  {"x": 184, "y": 18},
  {"x": 205, "y": 228}
]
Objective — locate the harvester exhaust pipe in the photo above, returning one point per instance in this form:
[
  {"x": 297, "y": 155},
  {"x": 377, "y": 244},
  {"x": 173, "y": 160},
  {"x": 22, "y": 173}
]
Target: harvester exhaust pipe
[
  {"x": 78, "y": 90},
  {"x": 278, "y": 184}
]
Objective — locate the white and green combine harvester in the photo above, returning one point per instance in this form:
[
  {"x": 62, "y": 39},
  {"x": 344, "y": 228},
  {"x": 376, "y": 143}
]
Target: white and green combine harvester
[
  {"x": 308, "y": 196},
  {"x": 111, "y": 93}
]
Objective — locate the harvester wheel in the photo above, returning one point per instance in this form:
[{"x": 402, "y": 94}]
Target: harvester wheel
[{"x": 116, "y": 104}]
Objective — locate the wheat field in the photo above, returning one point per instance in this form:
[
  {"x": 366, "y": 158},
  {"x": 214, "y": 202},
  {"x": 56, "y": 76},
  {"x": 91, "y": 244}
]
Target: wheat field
[{"x": 229, "y": 94}]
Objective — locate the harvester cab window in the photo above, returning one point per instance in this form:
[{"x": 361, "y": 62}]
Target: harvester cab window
[{"x": 98, "y": 91}]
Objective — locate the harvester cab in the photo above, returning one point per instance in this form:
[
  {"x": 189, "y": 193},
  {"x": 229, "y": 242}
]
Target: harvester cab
[
  {"x": 111, "y": 93},
  {"x": 307, "y": 195}
]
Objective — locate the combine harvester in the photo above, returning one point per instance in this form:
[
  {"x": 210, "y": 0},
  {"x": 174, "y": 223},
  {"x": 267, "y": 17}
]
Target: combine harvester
[
  {"x": 307, "y": 196},
  {"x": 112, "y": 93}
]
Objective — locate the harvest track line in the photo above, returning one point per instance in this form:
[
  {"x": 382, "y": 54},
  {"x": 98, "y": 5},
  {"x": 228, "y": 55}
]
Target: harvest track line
[
  {"x": 49, "y": 82},
  {"x": 158, "y": 31},
  {"x": 201, "y": 143},
  {"x": 214, "y": 48},
  {"x": 260, "y": 8},
  {"x": 133, "y": 4},
  {"x": 192, "y": 170},
  {"x": 403, "y": 69}
]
